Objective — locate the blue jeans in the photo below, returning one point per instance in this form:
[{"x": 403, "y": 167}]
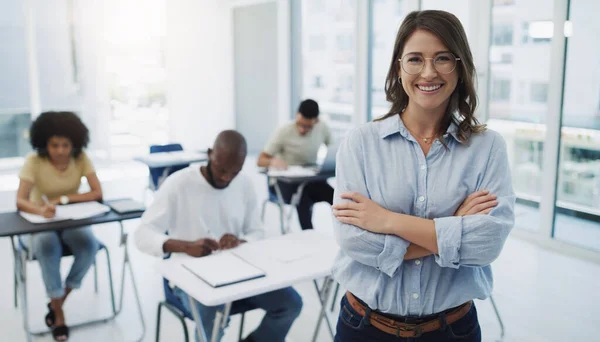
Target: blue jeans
[
  {"x": 282, "y": 308},
  {"x": 47, "y": 248},
  {"x": 350, "y": 329}
]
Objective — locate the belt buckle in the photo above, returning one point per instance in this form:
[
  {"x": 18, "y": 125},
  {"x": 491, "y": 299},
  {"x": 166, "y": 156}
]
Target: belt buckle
[{"x": 417, "y": 330}]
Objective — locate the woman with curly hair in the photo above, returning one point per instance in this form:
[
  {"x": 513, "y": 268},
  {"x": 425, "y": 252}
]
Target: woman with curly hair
[
  {"x": 51, "y": 176},
  {"x": 424, "y": 200}
]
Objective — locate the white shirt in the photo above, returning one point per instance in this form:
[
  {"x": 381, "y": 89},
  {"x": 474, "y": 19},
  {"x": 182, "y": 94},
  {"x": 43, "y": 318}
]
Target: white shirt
[{"x": 187, "y": 207}]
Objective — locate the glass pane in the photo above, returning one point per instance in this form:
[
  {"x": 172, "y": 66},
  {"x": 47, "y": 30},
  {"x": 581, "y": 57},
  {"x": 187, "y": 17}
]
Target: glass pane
[
  {"x": 578, "y": 190},
  {"x": 387, "y": 17},
  {"x": 518, "y": 94},
  {"x": 136, "y": 75},
  {"x": 328, "y": 59}
]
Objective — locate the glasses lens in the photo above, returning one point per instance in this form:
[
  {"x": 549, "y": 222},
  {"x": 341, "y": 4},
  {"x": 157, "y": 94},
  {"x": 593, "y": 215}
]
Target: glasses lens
[
  {"x": 413, "y": 63},
  {"x": 445, "y": 62}
]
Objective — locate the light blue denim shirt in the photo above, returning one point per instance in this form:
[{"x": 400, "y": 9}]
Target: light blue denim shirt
[{"x": 382, "y": 161}]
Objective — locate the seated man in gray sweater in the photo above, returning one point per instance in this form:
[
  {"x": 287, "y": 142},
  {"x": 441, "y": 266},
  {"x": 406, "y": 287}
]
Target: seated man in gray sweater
[
  {"x": 198, "y": 203},
  {"x": 298, "y": 143}
]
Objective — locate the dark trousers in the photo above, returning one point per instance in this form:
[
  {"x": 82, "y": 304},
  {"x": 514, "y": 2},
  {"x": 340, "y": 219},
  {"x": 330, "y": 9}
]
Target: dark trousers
[
  {"x": 313, "y": 192},
  {"x": 351, "y": 329}
]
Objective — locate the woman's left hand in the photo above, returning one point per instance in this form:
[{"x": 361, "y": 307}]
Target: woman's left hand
[{"x": 363, "y": 213}]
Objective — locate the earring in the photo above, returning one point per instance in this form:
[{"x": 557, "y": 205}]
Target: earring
[{"x": 399, "y": 79}]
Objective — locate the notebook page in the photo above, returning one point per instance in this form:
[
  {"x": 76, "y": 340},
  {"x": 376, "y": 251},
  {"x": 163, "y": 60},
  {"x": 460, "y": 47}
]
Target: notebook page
[
  {"x": 78, "y": 211},
  {"x": 293, "y": 171}
]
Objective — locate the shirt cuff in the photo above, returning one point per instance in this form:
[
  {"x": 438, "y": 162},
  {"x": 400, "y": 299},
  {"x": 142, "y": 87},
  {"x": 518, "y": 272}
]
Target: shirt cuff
[
  {"x": 449, "y": 237},
  {"x": 392, "y": 255},
  {"x": 157, "y": 244}
]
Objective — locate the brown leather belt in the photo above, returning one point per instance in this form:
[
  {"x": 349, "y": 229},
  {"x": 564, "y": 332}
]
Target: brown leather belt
[{"x": 402, "y": 329}]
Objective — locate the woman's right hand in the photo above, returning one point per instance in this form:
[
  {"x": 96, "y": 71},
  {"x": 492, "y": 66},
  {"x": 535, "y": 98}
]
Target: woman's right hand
[
  {"x": 479, "y": 202},
  {"x": 48, "y": 210}
]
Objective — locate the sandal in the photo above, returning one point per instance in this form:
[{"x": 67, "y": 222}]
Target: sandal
[
  {"x": 60, "y": 333},
  {"x": 50, "y": 317}
]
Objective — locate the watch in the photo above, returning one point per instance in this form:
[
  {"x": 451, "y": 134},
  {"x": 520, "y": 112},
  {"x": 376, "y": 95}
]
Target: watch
[{"x": 64, "y": 199}]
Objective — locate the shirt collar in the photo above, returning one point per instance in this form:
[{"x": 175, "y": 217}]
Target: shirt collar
[{"x": 393, "y": 125}]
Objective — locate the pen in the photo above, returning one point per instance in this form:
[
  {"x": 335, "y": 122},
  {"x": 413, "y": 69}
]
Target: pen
[{"x": 45, "y": 199}]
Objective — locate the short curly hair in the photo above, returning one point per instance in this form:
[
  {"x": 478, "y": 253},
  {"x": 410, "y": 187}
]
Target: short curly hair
[{"x": 62, "y": 124}]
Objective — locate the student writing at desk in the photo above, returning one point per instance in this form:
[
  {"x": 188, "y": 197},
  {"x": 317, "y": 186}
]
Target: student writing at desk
[
  {"x": 424, "y": 200},
  {"x": 209, "y": 208},
  {"x": 49, "y": 177},
  {"x": 298, "y": 143}
]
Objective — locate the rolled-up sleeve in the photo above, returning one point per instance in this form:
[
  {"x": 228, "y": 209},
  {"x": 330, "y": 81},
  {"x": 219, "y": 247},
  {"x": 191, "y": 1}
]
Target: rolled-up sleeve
[
  {"x": 477, "y": 240},
  {"x": 383, "y": 252}
]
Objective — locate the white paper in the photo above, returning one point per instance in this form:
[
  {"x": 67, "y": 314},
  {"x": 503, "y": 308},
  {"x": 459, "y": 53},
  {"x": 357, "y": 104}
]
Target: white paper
[
  {"x": 75, "y": 211},
  {"x": 222, "y": 269},
  {"x": 293, "y": 171}
]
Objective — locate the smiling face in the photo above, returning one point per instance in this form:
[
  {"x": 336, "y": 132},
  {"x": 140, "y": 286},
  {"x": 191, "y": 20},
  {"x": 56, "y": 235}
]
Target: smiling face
[{"x": 429, "y": 89}]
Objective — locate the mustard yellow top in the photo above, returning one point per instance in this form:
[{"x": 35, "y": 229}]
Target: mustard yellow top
[{"x": 48, "y": 180}]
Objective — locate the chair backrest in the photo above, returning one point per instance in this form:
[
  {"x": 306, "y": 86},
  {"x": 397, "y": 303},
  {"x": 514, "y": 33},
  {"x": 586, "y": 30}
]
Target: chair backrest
[
  {"x": 157, "y": 172},
  {"x": 271, "y": 191}
]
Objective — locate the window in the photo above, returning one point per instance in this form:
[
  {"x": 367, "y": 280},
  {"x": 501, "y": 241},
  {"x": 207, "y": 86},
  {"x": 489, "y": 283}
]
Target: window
[
  {"x": 519, "y": 114},
  {"x": 500, "y": 90},
  {"x": 577, "y": 207},
  {"x": 502, "y": 34},
  {"x": 539, "y": 92},
  {"x": 328, "y": 58},
  {"x": 537, "y": 32},
  {"x": 387, "y": 17}
]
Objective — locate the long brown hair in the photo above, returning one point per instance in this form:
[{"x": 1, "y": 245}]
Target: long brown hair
[{"x": 463, "y": 101}]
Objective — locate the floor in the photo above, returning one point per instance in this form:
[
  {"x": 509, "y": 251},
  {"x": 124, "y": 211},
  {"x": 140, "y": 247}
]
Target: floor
[{"x": 542, "y": 296}]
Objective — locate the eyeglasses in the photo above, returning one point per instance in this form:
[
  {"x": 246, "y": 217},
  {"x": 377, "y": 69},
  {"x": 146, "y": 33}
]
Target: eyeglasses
[{"x": 413, "y": 63}]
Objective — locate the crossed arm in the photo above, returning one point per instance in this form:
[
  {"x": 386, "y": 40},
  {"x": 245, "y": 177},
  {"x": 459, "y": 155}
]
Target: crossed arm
[{"x": 377, "y": 237}]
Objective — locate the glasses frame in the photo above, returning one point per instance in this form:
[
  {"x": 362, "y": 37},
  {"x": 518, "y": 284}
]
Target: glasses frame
[{"x": 456, "y": 59}]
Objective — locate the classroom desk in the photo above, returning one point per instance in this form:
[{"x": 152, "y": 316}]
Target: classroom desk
[
  {"x": 302, "y": 181},
  {"x": 12, "y": 225},
  {"x": 169, "y": 160},
  {"x": 315, "y": 256}
]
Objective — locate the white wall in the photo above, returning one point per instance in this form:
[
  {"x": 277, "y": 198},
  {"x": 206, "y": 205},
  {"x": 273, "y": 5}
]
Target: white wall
[
  {"x": 199, "y": 59},
  {"x": 256, "y": 73}
]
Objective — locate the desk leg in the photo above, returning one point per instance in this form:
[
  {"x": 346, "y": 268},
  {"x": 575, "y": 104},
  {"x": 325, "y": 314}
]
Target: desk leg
[
  {"x": 21, "y": 265},
  {"x": 220, "y": 322},
  {"x": 294, "y": 201},
  {"x": 162, "y": 177},
  {"x": 284, "y": 224},
  {"x": 197, "y": 320},
  {"x": 127, "y": 264},
  {"x": 323, "y": 298}
]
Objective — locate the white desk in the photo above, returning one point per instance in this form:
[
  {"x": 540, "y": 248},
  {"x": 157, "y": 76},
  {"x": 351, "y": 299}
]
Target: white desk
[
  {"x": 171, "y": 159},
  {"x": 313, "y": 264}
]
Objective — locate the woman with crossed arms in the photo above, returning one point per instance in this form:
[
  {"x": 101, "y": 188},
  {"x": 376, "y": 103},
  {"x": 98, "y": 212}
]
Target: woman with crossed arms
[{"x": 424, "y": 200}]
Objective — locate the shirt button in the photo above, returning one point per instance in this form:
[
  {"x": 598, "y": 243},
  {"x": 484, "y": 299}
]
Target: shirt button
[
  {"x": 422, "y": 199},
  {"x": 415, "y": 295},
  {"x": 423, "y": 167},
  {"x": 417, "y": 262}
]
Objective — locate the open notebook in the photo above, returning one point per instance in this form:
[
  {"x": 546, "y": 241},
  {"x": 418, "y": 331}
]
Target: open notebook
[
  {"x": 223, "y": 268},
  {"x": 293, "y": 171},
  {"x": 75, "y": 211}
]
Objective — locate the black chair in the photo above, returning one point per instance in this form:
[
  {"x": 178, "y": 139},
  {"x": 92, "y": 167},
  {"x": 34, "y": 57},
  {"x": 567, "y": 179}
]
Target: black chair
[
  {"x": 176, "y": 307},
  {"x": 158, "y": 174},
  {"x": 273, "y": 198}
]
